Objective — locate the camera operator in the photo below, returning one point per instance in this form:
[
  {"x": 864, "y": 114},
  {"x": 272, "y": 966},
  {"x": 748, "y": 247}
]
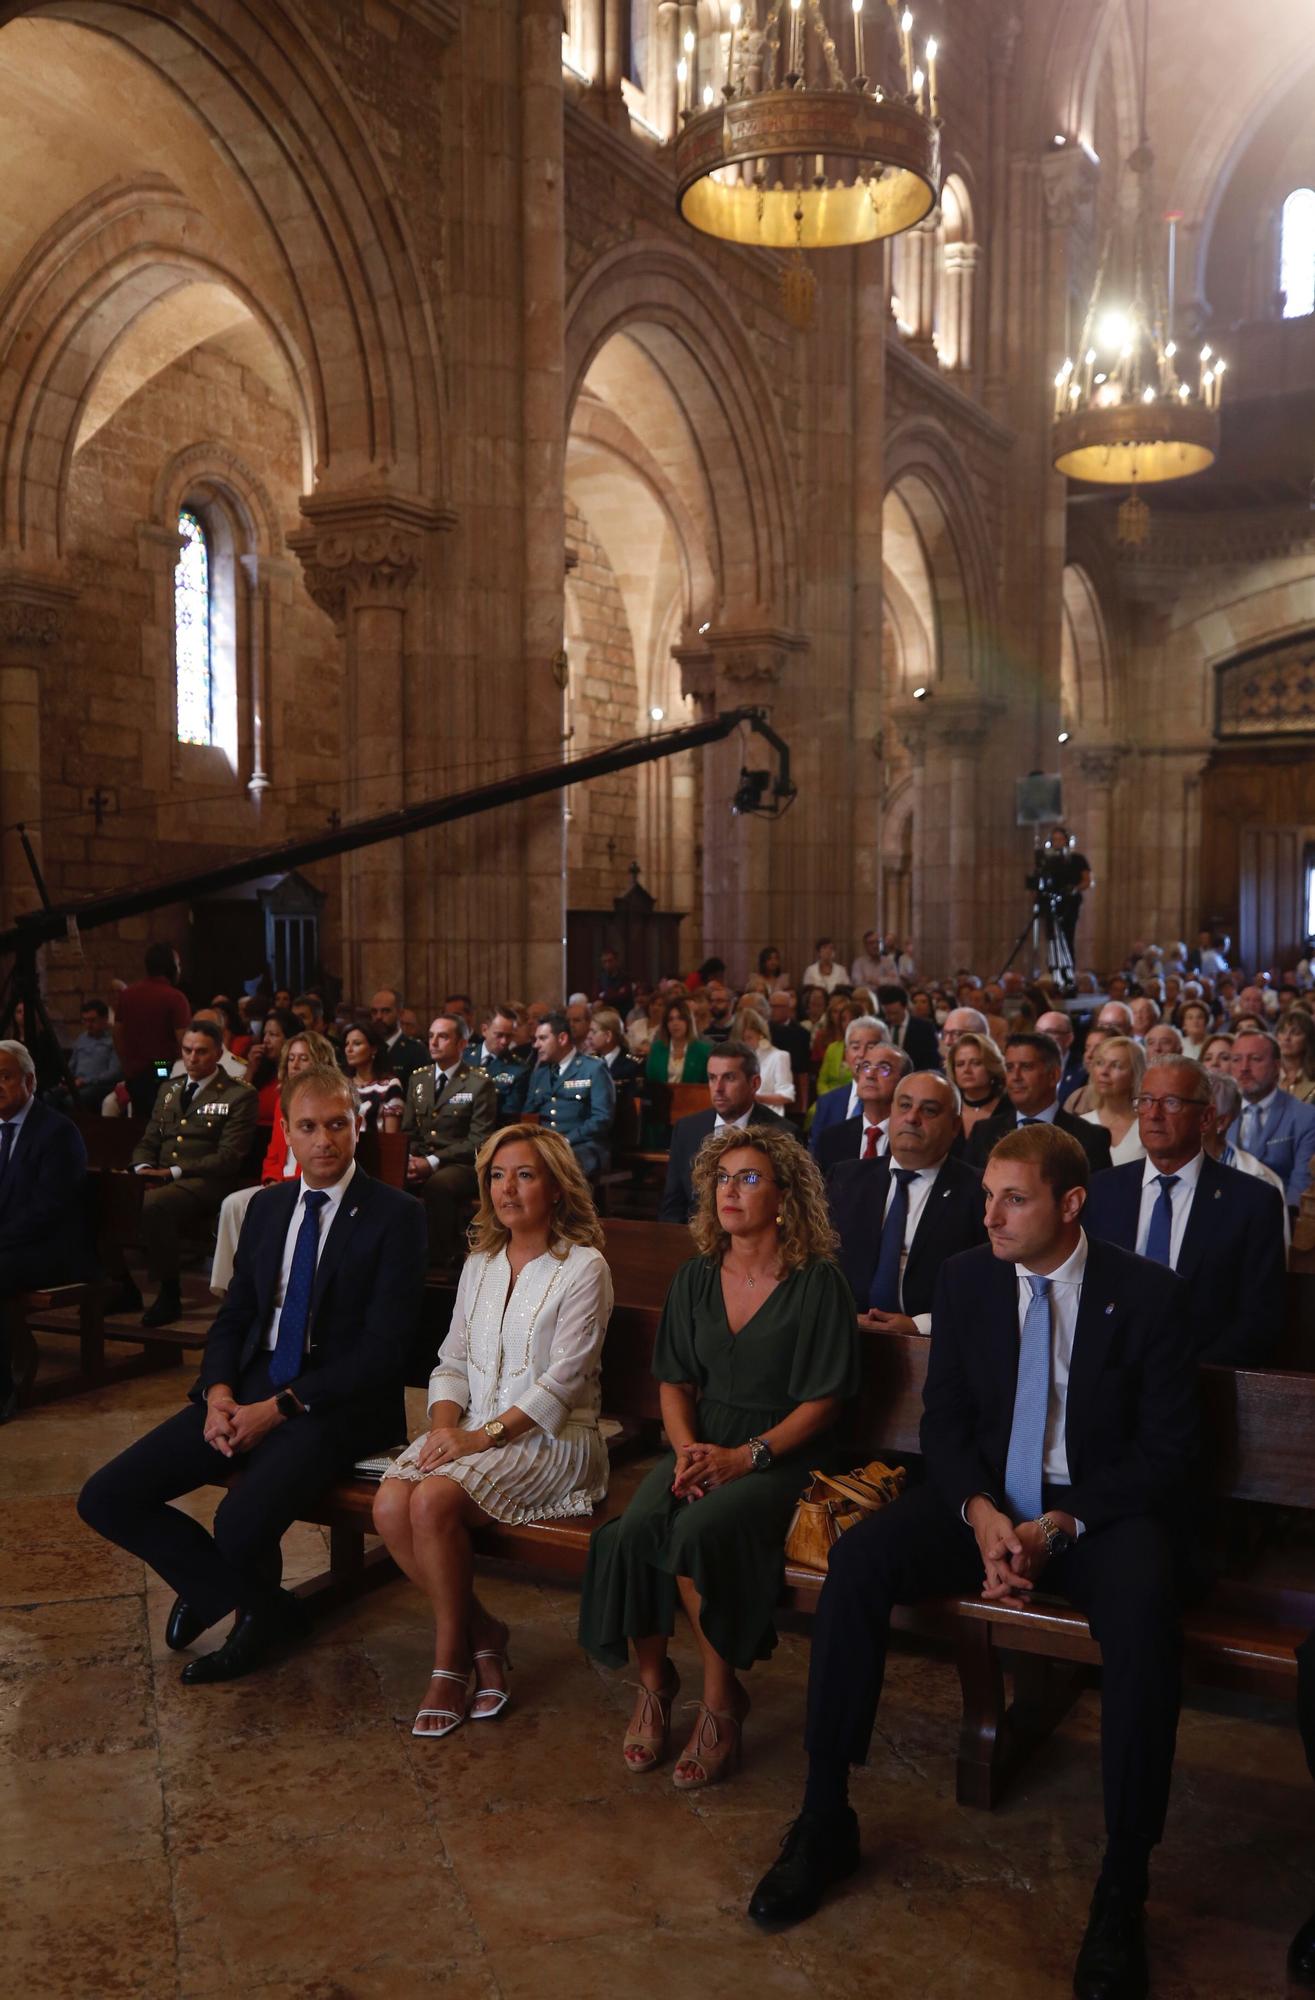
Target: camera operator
[{"x": 1064, "y": 875}]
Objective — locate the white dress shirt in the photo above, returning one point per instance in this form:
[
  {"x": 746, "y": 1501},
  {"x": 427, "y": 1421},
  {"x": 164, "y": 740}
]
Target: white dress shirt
[
  {"x": 883, "y": 1138},
  {"x": 719, "y": 1123},
  {"x": 1182, "y": 1196},
  {"x": 1046, "y": 1117},
  {"x": 920, "y": 1188},
  {"x": 327, "y": 1216},
  {"x": 1065, "y": 1297}
]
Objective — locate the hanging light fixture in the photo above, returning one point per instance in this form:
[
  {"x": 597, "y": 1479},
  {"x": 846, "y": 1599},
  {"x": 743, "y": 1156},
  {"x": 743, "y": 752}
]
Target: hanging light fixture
[
  {"x": 798, "y": 155},
  {"x": 1131, "y": 409}
]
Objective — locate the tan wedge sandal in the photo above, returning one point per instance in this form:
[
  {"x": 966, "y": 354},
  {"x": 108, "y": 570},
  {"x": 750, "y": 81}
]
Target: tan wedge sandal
[
  {"x": 650, "y": 1736},
  {"x": 714, "y": 1750}
]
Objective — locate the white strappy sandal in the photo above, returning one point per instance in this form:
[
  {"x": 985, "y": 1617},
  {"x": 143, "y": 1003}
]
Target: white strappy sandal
[
  {"x": 501, "y": 1696},
  {"x": 451, "y": 1717}
]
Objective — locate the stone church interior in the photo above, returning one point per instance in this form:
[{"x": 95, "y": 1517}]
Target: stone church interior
[{"x": 779, "y": 1262}]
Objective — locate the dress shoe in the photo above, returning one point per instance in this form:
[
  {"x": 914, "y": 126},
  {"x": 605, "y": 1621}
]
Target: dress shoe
[
  {"x": 184, "y": 1625},
  {"x": 123, "y": 1297},
  {"x": 817, "y": 1850},
  {"x": 168, "y": 1306},
  {"x": 1112, "y": 1961},
  {"x": 255, "y": 1635},
  {"x": 1301, "y": 1955}
]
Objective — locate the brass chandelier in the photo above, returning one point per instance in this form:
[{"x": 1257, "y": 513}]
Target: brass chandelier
[
  {"x": 1132, "y": 409},
  {"x": 788, "y": 152}
]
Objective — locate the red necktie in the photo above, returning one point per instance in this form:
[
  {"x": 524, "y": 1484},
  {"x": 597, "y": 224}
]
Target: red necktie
[{"x": 870, "y": 1136}]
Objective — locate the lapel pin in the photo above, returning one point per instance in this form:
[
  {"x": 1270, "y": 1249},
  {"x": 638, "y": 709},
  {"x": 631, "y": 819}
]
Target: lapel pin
[
  {"x": 1218, "y": 1193},
  {"x": 1109, "y": 1309},
  {"x": 351, "y": 1212}
]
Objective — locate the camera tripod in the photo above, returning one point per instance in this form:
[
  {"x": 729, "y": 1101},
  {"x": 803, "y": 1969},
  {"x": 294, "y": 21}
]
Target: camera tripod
[{"x": 1059, "y": 955}]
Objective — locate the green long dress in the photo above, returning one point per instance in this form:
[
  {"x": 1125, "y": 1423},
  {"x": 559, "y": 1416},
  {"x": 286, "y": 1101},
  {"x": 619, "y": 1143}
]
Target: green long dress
[{"x": 800, "y": 1345}]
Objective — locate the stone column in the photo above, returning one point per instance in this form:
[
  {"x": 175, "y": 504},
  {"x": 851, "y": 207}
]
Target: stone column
[
  {"x": 997, "y": 220},
  {"x": 663, "y": 105},
  {"x": 360, "y": 553},
  {"x": 955, "y": 728},
  {"x": 956, "y": 329},
  {"x": 1100, "y": 766},
  {"x": 33, "y": 623}
]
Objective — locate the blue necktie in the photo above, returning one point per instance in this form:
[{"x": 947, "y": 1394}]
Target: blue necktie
[
  {"x": 884, "y": 1294},
  {"x": 1160, "y": 1234},
  {"x": 1252, "y": 1128},
  {"x": 1027, "y": 1438},
  {"x": 285, "y": 1362}
]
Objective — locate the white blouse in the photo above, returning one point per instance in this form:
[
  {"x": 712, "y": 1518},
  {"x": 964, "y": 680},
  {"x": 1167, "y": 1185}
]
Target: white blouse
[
  {"x": 542, "y": 1354},
  {"x": 776, "y": 1074}
]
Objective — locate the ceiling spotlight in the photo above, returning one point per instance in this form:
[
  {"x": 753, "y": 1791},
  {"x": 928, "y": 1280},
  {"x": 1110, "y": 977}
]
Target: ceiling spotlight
[
  {"x": 920, "y": 694},
  {"x": 706, "y": 626},
  {"x": 1063, "y": 735},
  {"x": 656, "y": 714}
]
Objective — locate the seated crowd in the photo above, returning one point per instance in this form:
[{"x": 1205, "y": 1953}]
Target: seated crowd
[{"x": 1076, "y": 1204}]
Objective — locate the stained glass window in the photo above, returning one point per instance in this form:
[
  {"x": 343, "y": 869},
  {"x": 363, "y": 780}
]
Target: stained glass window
[
  {"x": 1297, "y": 254},
  {"x": 192, "y": 637}
]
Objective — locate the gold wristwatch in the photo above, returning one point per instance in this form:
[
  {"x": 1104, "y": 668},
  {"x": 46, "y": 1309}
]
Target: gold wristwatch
[{"x": 495, "y": 1430}]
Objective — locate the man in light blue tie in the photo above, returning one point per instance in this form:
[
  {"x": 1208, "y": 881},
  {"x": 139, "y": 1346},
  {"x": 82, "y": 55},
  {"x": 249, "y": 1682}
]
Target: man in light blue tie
[
  {"x": 1058, "y": 1431},
  {"x": 302, "y": 1373},
  {"x": 1275, "y": 1127}
]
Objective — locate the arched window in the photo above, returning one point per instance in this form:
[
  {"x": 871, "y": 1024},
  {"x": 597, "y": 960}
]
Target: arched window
[
  {"x": 1297, "y": 254},
  {"x": 193, "y": 639}
]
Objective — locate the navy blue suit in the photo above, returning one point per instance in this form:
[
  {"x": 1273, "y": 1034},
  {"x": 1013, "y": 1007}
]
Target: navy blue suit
[
  {"x": 1232, "y": 1257},
  {"x": 1287, "y": 1144},
  {"x": 951, "y": 1221},
  {"x": 43, "y": 1204},
  {"x": 832, "y": 1108},
  {"x": 369, "y": 1284},
  {"x": 1130, "y": 1438}
]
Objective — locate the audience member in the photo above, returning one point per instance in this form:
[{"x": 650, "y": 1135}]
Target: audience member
[
  {"x": 505, "y": 1063},
  {"x": 460, "y": 1006},
  {"x": 615, "y": 988},
  {"x": 721, "y": 1012},
  {"x": 824, "y": 971},
  {"x": 787, "y": 1031},
  {"x": 1194, "y": 1026},
  {"x": 1274, "y": 1126},
  {"x": 1059, "y": 1026},
  {"x": 301, "y": 1053},
  {"x": 733, "y": 1082},
  {"x": 978, "y": 1070},
  {"x": 514, "y": 1403},
  {"x": 1037, "y": 1476},
  {"x": 962, "y": 1021},
  {"x": 1217, "y": 1054},
  {"x": 1162, "y": 1041},
  {"x": 1295, "y": 1035},
  {"x": 1227, "y": 1098},
  {"x": 451, "y": 1109},
  {"x": 607, "y": 1043},
  {"x": 900, "y": 1216},
  {"x": 264, "y": 1071},
  {"x": 1222, "y": 1231},
  {"x": 379, "y": 1090},
  {"x": 93, "y": 1062},
  {"x": 149, "y": 1021},
  {"x": 1116, "y": 1075},
  {"x": 864, "y": 1034},
  {"x": 676, "y": 1055},
  {"x": 231, "y": 1064},
  {"x": 43, "y": 1215},
  {"x": 573, "y": 1094},
  {"x": 745, "y": 1419},
  {"x": 332, "y": 1247},
  {"x": 906, "y": 1030},
  {"x": 827, "y": 1053},
  {"x": 1032, "y": 1067},
  {"x": 309, "y": 1010},
  {"x": 194, "y": 1150},
  {"x": 874, "y": 964},
  {"x": 406, "y": 1052},
  {"x": 771, "y": 969},
  {"x": 775, "y": 1081},
  {"x": 864, "y": 1136},
  {"x": 578, "y": 1016}
]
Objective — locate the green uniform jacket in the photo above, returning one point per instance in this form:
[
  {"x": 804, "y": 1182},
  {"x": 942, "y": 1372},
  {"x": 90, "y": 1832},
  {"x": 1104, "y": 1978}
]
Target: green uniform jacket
[
  {"x": 451, "y": 1127},
  {"x": 211, "y": 1142}
]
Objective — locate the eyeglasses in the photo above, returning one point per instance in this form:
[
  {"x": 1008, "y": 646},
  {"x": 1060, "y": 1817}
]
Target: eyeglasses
[
  {"x": 748, "y": 1177},
  {"x": 877, "y": 1069},
  {"x": 1172, "y": 1104}
]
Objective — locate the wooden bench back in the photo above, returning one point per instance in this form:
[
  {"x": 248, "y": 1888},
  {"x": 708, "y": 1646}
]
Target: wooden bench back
[
  {"x": 383, "y": 1156},
  {"x": 109, "y": 1141}
]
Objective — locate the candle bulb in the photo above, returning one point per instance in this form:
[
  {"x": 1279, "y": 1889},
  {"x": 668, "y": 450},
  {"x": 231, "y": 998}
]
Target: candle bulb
[
  {"x": 795, "y": 6},
  {"x": 918, "y": 81},
  {"x": 737, "y": 15},
  {"x": 933, "y": 103},
  {"x": 682, "y": 76},
  {"x": 858, "y": 40},
  {"x": 906, "y": 45}
]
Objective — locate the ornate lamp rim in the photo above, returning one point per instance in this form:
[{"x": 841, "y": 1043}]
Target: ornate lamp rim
[{"x": 1135, "y": 442}]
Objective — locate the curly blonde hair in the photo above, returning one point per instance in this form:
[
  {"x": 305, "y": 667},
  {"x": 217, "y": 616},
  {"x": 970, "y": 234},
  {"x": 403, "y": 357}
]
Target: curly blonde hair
[
  {"x": 575, "y": 1219},
  {"x": 805, "y": 1225}
]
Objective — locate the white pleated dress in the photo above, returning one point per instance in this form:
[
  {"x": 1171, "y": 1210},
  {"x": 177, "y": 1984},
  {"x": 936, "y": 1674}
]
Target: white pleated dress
[{"x": 538, "y": 1351}]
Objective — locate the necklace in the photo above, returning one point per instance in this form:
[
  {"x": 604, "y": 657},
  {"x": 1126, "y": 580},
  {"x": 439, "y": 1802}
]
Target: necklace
[{"x": 978, "y": 1102}]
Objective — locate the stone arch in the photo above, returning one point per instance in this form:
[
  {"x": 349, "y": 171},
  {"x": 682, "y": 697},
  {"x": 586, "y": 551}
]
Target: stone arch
[
  {"x": 275, "y": 119},
  {"x": 213, "y": 464},
  {"x": 935, "y": 486},
  {"x": 662, "y": 297},
  {"x": 1086, "y": 682}
]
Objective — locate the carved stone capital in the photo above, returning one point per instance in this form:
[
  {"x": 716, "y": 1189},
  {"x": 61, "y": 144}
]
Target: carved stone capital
[
  {"x": 33, "y": 609},
  {"x": 1068, "y": 183},
  {"x": 361, "y": 551},
  {"x": 752, "y": 658},
  {"x": 1101, "y": 763},
  {"x": 698, "y": 672},
  {"x": 958, "y": 722}
]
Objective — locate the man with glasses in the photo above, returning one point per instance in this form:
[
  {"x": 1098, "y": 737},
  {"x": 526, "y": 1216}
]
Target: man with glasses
[
  {"x": 1220, "y": 1230},
  {"x": 833, "y": 1107},
  {"x": 864, "y": 1137}
]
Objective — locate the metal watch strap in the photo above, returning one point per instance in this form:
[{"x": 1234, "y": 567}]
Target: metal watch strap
[
  {"x": 1056, "y": 1539},
  {"x": 760, "y": 1453}
]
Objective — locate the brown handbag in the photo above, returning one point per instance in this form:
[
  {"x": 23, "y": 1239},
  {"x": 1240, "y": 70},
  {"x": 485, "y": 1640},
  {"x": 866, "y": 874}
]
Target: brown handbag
[{"x": 834, "y": 1502}]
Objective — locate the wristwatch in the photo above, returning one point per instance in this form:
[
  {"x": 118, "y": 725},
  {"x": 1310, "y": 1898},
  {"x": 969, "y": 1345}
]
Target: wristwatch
[
  {"x": 760, "y": 1453},
  {"x": 495, "y": 1430},
  {"x": 287, "y": 1405},
  {"x": 1056, "y": 1538}
]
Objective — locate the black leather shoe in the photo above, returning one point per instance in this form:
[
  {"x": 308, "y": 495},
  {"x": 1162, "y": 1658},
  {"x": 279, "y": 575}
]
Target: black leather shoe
[
  {"x": 124, "y": 1297},
  {"x": 255, "y": 1635},
  {"x": 1301, "y": 1954},
  {"x": 184, "y": 1625},
  {"x": 1112, "y": 1961},
  {"x": 817, "y": 1850},
  {"x": 168, "y": 1306}
]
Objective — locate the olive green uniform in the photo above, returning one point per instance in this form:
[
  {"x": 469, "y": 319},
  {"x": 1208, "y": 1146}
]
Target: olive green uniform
[
  {"x": 210, "y": 1143},
  {"x": 447, "y": 1127}
]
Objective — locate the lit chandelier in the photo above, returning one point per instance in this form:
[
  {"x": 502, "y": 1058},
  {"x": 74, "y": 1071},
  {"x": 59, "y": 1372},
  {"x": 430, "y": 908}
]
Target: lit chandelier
[
  {"x": 796, "y": 155},
  {"x": 1132, "y": 410}
]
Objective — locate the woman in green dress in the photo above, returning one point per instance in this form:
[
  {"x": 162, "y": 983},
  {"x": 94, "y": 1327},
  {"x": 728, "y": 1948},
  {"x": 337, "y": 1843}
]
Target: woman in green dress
[{"x": 756, "y": 1354}]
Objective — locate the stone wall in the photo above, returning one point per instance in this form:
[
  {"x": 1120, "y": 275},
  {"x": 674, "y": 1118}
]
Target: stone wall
[{"x": 602, "y": 708}]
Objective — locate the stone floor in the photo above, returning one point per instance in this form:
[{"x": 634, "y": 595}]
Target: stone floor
[{"x": 287, "y": 1837}]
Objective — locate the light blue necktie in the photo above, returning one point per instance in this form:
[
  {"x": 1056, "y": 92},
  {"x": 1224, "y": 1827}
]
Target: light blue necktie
[
  {"x": 1027, "y": 1438},
  {"x": 285, "y": 1362},
  {"x": 1160, "y": 1234},
  {"x": 1253, "y": 1128}
]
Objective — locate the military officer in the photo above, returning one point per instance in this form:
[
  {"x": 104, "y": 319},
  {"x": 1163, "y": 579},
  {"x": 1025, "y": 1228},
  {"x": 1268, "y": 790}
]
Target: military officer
[
  {"x": 506, "y": 1068},
  {"x": 573, "y": 1093},
  {"x": 194, "y": 1151},
  {"x": 451, "y": 1108},
  {"x": 406, "y": 1052}
]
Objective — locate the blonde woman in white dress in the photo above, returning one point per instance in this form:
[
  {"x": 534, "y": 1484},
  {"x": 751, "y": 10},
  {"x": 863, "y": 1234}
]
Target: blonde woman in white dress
[{"x": 514, "y": 1403}]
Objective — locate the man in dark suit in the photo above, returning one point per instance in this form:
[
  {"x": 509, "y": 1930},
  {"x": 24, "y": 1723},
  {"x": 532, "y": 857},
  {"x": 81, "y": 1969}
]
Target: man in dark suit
[
  {"x": 908, "y": 1031},
  {"x": 1032, "y": 1070},
  {"x": 865, "y": 1135},
  {"x": 788, "y": 1032},
  {"x": 405, "y": 1052},
  {"x": 901, "y": 1216},
  {"x": 43, "y": 1166},
  {"x": 1221, "y": 1230},
  {"x": 863, "y": 1037},
  {"x": 302, "y": 1372},
  {"x": 1058, "y": 1432},
  {"x": 733, "y": 1084}
]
